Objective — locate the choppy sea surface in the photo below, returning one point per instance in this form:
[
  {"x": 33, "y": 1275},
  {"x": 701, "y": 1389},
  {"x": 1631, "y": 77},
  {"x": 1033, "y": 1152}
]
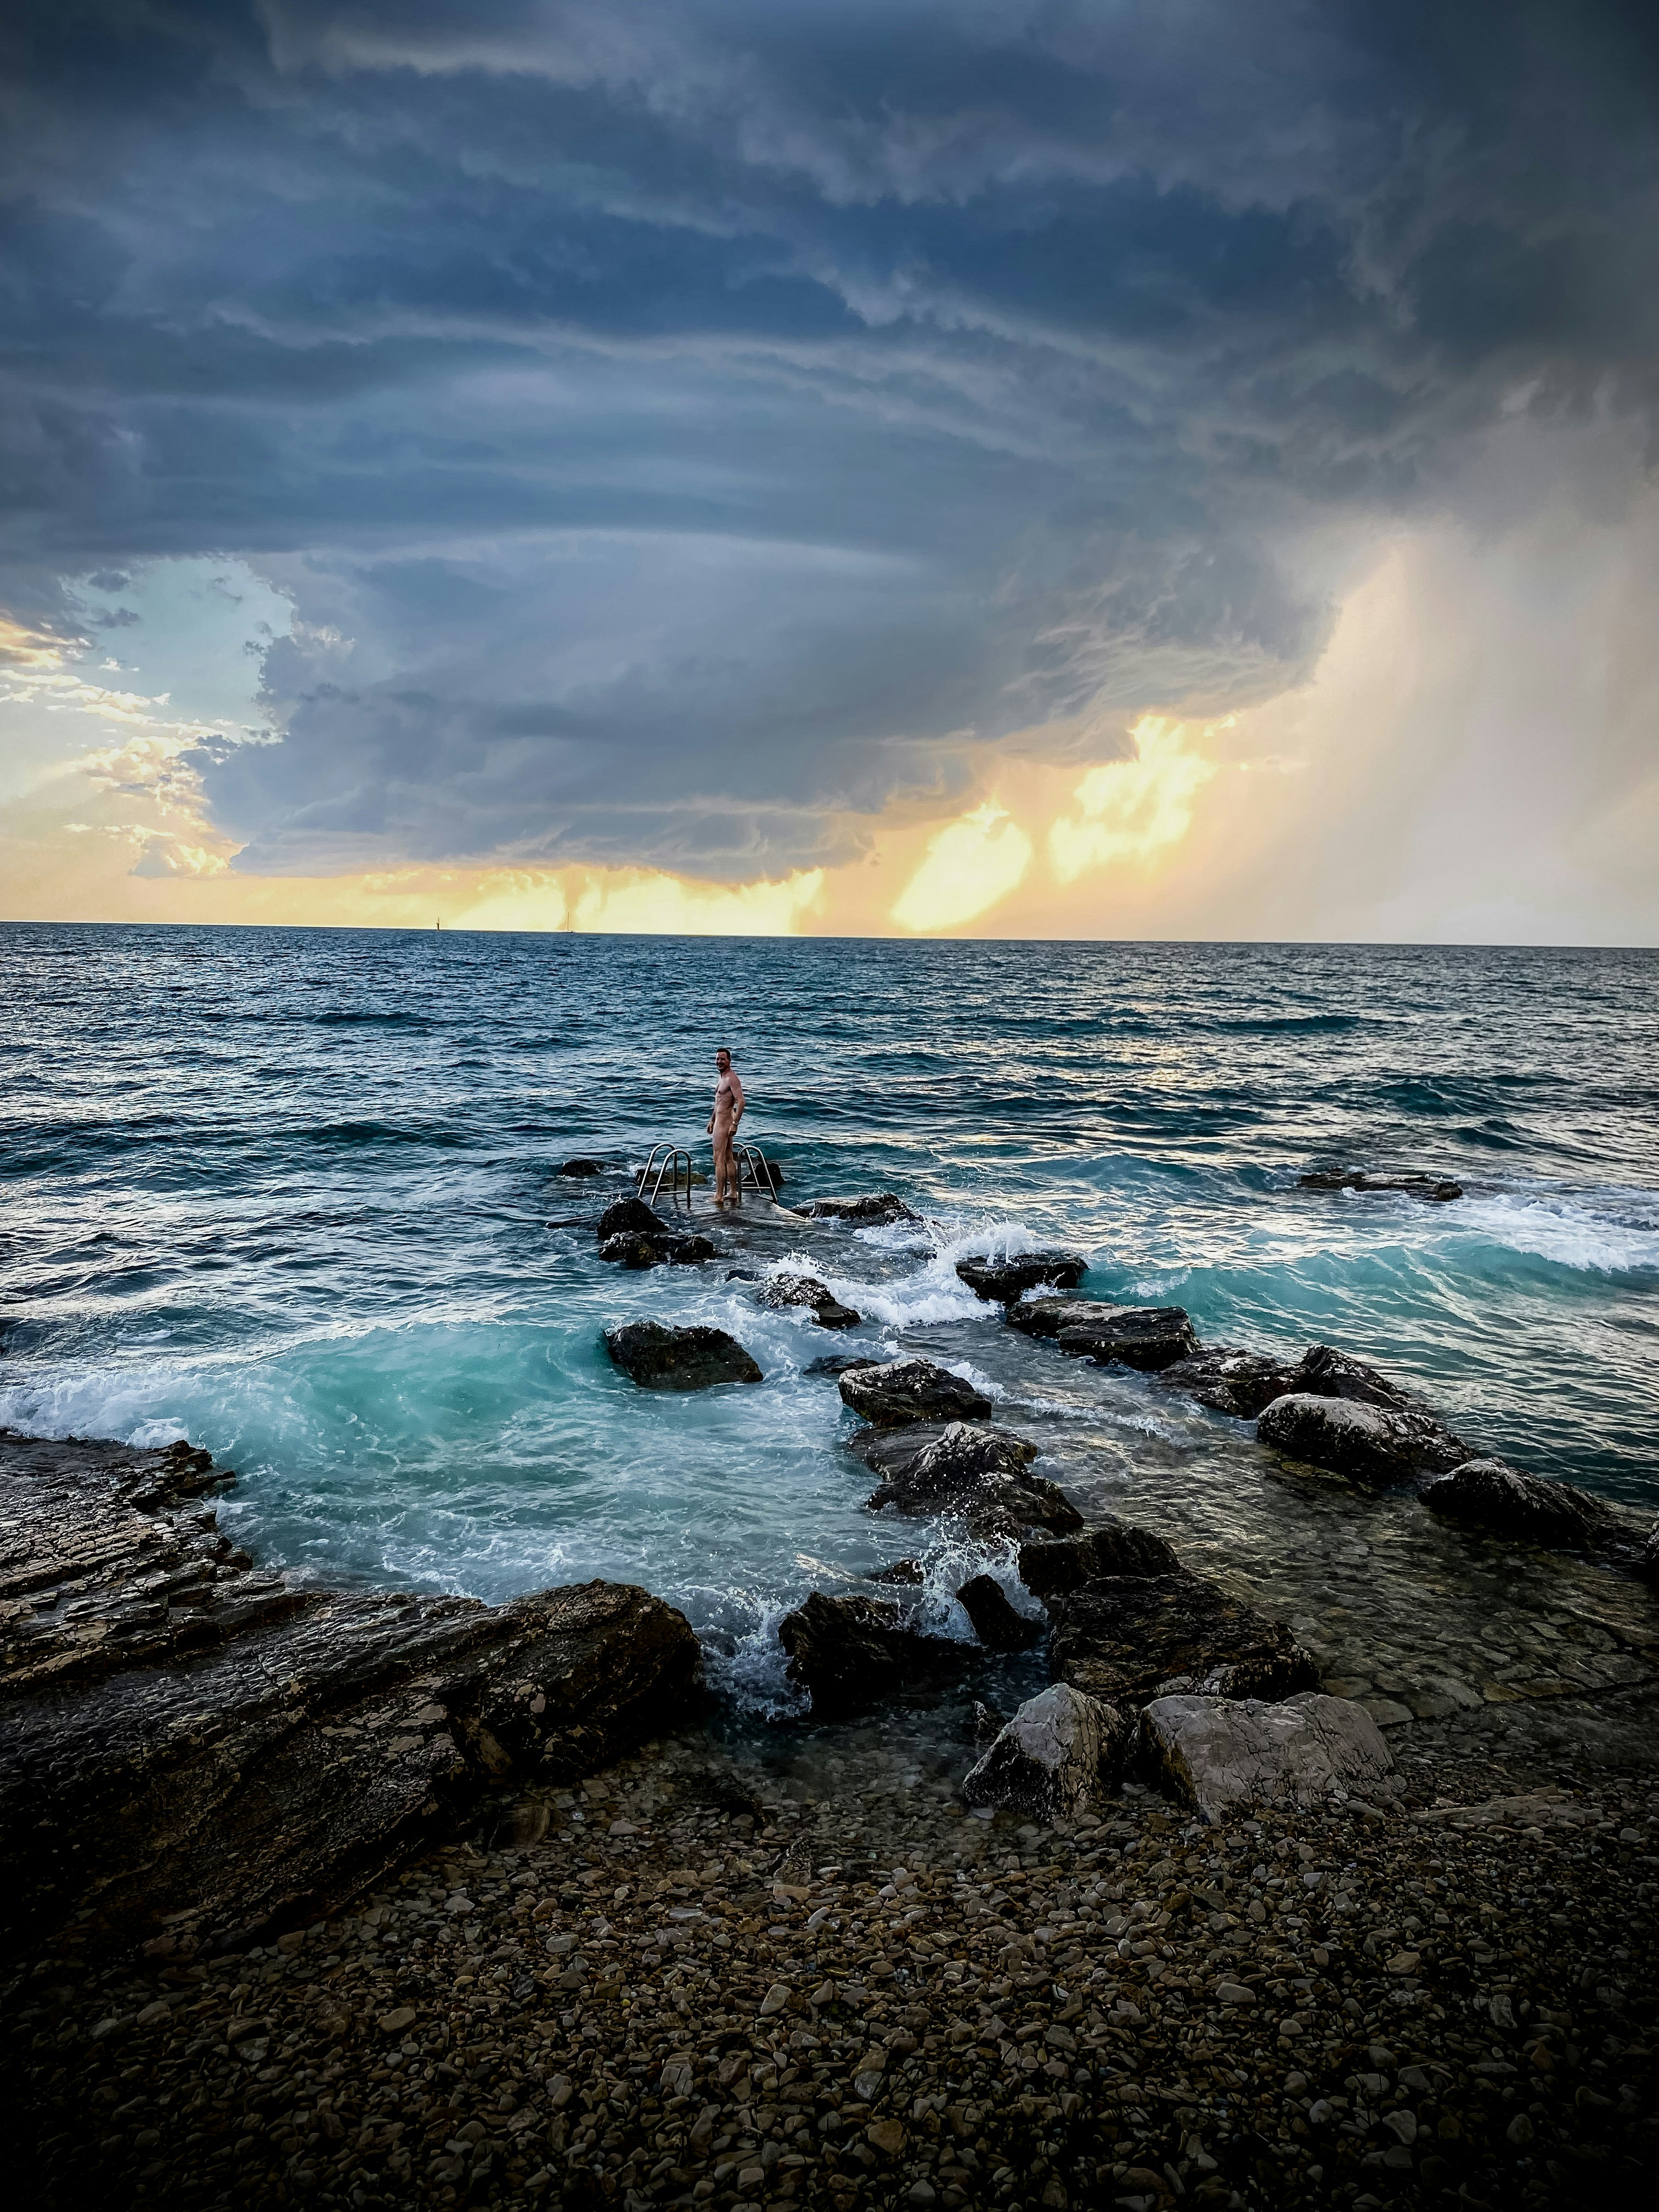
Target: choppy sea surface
[{"x": 288, "y": 1192}]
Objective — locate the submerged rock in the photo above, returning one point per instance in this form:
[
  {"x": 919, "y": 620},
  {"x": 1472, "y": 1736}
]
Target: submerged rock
[
  {"x": 1490, "y": 1495},
  {"x": 582, "y": 1168},
  {"x": 189, "y": 1741},
  {"x": 900, "y": 1391},
  {"x": 1369, "y": 1443},
  {"x": 658, "y": 1358},
  {"x": 903, "y": 1574},
  {"x": 1436, "y": 1189},
  {"x": 1054, "y": 1569},
  {"x": 996, "y": 1623},
  {"x": 1214, "y": 1753},
  {"x": 1136, "y": 1638},
  {"x": 1230, "y": 1380},
  {"x": 1001, "y": 1281},
  {"x": 663, "y": 1251},
  {"x": 781, "y": 1291},
  {"x": 877, "y": 1210},
  {"x": 1061, "y": 1750},
  {"x": 838, "y": 1362},
  {"x": 630, "y": 1216},
  {"x": 1144, "y": 1337},
  {"x": 849, "y": 1653}
]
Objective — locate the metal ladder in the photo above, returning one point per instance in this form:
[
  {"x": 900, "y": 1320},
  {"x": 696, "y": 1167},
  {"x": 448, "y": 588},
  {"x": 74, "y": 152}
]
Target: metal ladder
[{"x": 663, "y": 1165}]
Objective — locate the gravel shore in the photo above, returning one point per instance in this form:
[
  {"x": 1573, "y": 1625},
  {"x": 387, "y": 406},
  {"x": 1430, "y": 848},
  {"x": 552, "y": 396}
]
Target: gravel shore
[{"x": 705, "y": 1979}]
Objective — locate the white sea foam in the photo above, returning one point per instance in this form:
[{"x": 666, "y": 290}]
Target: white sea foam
[{"x": 1608, "y": 1232}]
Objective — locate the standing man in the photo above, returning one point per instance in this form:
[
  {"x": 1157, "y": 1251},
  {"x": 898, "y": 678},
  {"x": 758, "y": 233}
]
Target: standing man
[{"x": 723, "y": 1127}]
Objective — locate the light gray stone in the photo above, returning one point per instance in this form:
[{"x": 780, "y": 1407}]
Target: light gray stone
[
  {"x": 1061, "y": 1750},
  {"x": 1216, "y": 1753}
]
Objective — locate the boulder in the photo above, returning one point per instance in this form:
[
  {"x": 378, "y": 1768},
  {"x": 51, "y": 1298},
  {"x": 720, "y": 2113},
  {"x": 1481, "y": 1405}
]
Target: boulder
[
  {"x": 1488, "y": 1495},
  {"x": 893, "y": 1453},
  {"x": 1213, "y": 1753},
  {"x": 1436, "y": 1189},
  {"x": 997, "y": 1624},
  {"x": 1059, "y": 1752},
  {"x": 629, "y": 1249},
  {"x": 1054, "y": 1569},
  {"x": 1138, "y": 1637},
  {"x": 983, "y": 1473},
  {"x": 784, "y": 1290},
  {"x": 1327, "y": 1373},
  {"x": 838, "y": 1362},
  {"x": 875, "y": 1211},
  {"x": 1229, "y": 1380},
  {"x": 1146, "y": 1337},
  {"x": 243, "y": 1753},
  {"x": 582, "y": 1168},
  {"x": 1001, "y": 1281},
  {"x": 903, "y": 1574},
  {"x": 1368, "y": 1443},
  {"x": 900, "y": 1391},
  {"x": 658, "y": 1358},
  {"x": 630, "y": 1216},
  {"x": 848, "y": 1653}
]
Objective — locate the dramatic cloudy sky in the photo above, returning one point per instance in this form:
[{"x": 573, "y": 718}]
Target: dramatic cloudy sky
[{"x": 1166, "y": 467}]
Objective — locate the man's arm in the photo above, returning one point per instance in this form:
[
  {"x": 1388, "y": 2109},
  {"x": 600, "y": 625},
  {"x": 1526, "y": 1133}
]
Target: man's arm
[{"x": 738, "y": 1098}]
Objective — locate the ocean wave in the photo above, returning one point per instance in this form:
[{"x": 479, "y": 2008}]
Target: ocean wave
[{"x": 1614, "y": 1233}]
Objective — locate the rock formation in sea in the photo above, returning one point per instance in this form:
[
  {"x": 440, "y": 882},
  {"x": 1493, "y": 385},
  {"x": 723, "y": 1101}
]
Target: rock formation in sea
[
  {"x": 999, "y": 1282},
  {"x": 902, "y": 1391},
  {"x": 660, "y": 1357},
  {"x": 1145, "y": 1337}
]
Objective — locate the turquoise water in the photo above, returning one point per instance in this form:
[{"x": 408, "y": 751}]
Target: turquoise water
[{"x": 287, "y": 1192}]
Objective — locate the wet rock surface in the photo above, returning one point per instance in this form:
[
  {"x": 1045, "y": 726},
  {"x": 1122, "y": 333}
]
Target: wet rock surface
[
  {"x": 659, "y": 1358},
  {"x": 1060, "y": 1754},
  {"x": 630, "y": 1216},
  {"x": 902, "y": 1391},
  {"x": 875, "y": 1210},
  {"x": 1216, "y": 1755},
  {"x": 582, "y": 1168},
  {"x": 982, "y": 1473},
  {"x": 1053, "y": 1568},
  {"x": 893, "y": 1453},
  {"x": 1133, "y": 1638},
  {"x": 850, "y": 1653},
  {"x": 1001, "y": 1281},
  {"x": 195, "y": 1752},
  {"x": 1369, "y": 1443},
  {"x": 1229, "y": 1380},
  {"x": 781, "y": 1291},
  {"x": 1436, "y": 1190},
  {"x": 1490, "y": 1495},
  {"x": 628, "y": 1249},
  {"x": 996, "y": 1623},
  {"x": 1144, "y": 1337}
]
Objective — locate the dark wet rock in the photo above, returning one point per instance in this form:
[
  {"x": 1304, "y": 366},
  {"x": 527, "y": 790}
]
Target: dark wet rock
[
  {"x": 1328, "y": 1373},
  {"x": 989, "y": 1721},
  {"x": 876, "y": 1210},
  {"x": 850, "y": 1653},
  {"x": 903, "y": 1574},
  {"x": 1146, "y": 1337},
  {"x": 1061, "y": 1750},
  {"x": 1136, "y": 1638},
  {"x": 998, "y": 1626},
  {"x": 582, "y": 1168},
  {"x": 983, "y": 1473},
  {"x": 1488, "y": 1495},
  {"x": 894, "y": 1453},
  {"x": 1436, "y": 1189},
  {"x": 1647, "y": 1559},
  {"x": 1368, "y": 1443},
  {"x": 190, "y": 1742},
  {"x": 663, "y": 1250},
  {"x": 1229, "y": 1380},
  {"x": 1053, "y": 1569},
  {"x": 630, "y": 1216},
  {"x": 743, "y": 1274},
  {"x": 1001, "y": 1281},
  {"x": 783, "y": 1290},
  {"x": 1214, "y": 1754},
  {"x": 900, "y": 1390},
  {"x": 659, "y": 1358},
  {"x": 838, "y": 1363}
]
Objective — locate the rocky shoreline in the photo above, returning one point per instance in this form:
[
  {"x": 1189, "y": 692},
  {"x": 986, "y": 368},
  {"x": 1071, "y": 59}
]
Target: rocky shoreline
[{"x": 361, "y": 1899}]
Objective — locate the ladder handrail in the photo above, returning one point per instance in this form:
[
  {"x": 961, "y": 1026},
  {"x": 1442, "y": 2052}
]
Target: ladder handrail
[{"x": 747, "y": 1157}]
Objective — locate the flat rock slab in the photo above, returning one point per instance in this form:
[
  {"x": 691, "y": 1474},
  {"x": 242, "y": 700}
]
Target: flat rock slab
[
  {"x": 1217, "y": 1755},
  {"x": 851, "y": 1653},
  {"x": 876, "y": 1210},
  {"x": 1490, "y": 1495},
  {"x": 900, "y": 1391},
  {"x": 782, "y": 1291},
  {"x": 1001, "y": 1281},
  {"x": 1135, "y": 1638},
  {"x": 1369, "y": 1444},
  {"x": 659, "y": 1358},
  {"x": 1144, "y": 1337},
  {"x": 189, "y": 1741},
  {"x": 629, "y": 1249},
  {"x": 1436, "y": 1190},
  {"x": 997, "y": 1625},
  {"x": 1053, "y": 1569},
  {"x": 1060, "y": 1752}
]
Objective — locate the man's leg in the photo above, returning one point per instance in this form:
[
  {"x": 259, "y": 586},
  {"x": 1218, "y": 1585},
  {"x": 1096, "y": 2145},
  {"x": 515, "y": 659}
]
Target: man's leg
[{"x": 722, "y": 1165}]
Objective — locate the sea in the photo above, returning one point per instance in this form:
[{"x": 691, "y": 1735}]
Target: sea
[{"x": 295, "y": 1194}]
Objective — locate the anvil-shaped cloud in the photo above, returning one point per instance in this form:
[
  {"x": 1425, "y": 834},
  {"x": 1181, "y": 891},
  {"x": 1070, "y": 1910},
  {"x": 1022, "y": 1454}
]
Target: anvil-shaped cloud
[{"x": 684, "y": 429}]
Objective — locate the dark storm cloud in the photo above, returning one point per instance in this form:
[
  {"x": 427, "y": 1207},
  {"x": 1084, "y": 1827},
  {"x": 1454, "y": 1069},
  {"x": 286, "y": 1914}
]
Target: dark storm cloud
[{"x": 676, "y": 424}]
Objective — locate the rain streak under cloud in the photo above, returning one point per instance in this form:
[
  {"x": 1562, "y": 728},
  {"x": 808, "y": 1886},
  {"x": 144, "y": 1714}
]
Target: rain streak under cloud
[{"x": 705, "y": 466}]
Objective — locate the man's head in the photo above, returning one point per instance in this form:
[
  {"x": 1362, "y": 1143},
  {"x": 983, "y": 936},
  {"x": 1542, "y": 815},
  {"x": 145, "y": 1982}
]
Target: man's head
[{"x": 723, "y": 1060}]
